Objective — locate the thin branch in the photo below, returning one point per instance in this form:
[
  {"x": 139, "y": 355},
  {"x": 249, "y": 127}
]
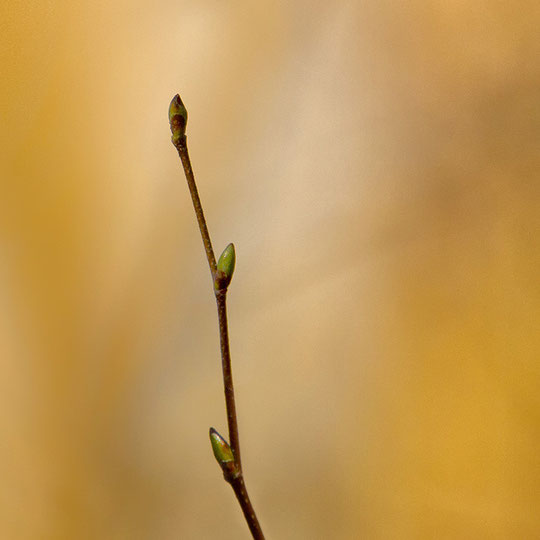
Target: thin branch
[
  {"x": 181, "y": 146},
  {"x": 234, "y": 441},
  {"x": 228, "y": 456},
  {"x": 247, "y": 508}
]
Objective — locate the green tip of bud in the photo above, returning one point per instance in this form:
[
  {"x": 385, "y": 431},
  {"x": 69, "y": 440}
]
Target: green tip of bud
[
  {"x": 225, "y": 268},
  {"x": 224, "y": 456},
  {"x": 222, "y": 451},
  {"x": 177, "y": 119}
]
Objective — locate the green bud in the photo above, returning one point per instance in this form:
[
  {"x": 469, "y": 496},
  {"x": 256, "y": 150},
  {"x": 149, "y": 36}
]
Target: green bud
[
  {"x": 177, "y": 119},
  {"x": 224, "y": 456},
  {"x": 225, "y": 268},
  {"x": 222, "y": 450}
]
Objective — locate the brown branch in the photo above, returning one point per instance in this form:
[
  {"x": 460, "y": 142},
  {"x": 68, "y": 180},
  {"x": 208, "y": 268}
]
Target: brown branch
[
  {"x": 221, "y": 299},
  {"x": 230, "y": 462},
  {"x": 181, "y": 146},
  {"x": 247, "y": 508}
]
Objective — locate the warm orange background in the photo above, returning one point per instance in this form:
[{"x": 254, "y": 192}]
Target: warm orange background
[{"x": 377, "y": 166}]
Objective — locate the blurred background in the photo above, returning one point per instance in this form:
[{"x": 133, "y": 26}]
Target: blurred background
[{"x": 376, "y": 165}]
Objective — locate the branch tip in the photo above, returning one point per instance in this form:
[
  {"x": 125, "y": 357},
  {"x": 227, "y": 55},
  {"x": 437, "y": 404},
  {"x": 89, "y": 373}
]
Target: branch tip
[{"x": 177, "y": 119}]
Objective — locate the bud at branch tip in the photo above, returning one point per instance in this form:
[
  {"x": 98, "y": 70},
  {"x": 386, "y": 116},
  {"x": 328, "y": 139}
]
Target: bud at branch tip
[{"x": 177, "y": 119}]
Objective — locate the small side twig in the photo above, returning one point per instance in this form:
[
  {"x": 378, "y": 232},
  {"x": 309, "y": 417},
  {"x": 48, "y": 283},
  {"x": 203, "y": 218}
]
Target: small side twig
[{"x": 227, "y": 456}]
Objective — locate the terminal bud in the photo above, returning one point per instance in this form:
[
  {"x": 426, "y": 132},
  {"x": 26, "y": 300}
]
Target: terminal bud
[{"x": 177, "y": 119}]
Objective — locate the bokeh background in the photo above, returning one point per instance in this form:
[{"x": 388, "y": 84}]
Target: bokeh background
[{"x": 377, "y": 166}]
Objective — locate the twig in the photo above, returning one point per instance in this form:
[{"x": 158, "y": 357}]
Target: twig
[
  {"x": 181, "y": 146},
  {"x": 227, "y": 456},
  {"x": 221, "y": 299}
]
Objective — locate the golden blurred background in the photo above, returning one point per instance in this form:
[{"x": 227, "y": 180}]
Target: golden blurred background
[{"x": 377, "y": 166}]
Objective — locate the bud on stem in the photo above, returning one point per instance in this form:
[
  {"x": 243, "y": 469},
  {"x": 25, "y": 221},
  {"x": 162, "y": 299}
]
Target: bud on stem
[
  {"x": 225, "y": 268},
  {"x": 224, "y": 455},
  {"x": 177, "y": 120}
]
